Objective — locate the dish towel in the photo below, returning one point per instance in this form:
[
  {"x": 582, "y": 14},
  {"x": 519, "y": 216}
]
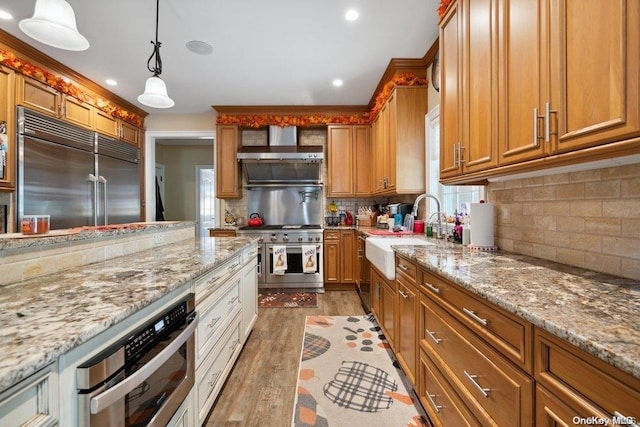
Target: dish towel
[
  {"x": 309, "y": 259},
  {"x": 279, "y": 259}
]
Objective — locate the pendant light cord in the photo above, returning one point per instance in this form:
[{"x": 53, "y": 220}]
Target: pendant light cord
[{"x": 157, "y": 70}]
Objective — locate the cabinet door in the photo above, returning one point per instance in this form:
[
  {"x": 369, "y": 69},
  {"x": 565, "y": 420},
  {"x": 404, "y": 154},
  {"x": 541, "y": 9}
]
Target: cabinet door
[
  {"x": 376, "y": 294},
  {"x": 7, "y": 139},
  {"x": 362, "y": 153},
  {"x": 388, "y": 308},
  {"x": 106, "y": 124},
  {"x": 553, "y": 412},
  {"x": 480, "y": 99},
  {"x": 37, "y": 96},
  {"x": 129, "y": 133},
  {"x": 522, "y": 90},
  {"x": 77, "y": 112},
  {"x": 332, "y": 262},
  {"x": 390, "y": 149},
  {"x": 450, "y": 90},
  {"x": 340, "y": 168},
  {"x": 227, "y": 167},
  {"x": 348, "y": 264},
  {"x": 407, "y": 341},
  {"x": 594, "y": 71}
]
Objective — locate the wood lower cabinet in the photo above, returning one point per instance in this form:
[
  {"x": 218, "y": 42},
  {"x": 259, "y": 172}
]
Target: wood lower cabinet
[
  {"x": 383, "y": 304},
  {"x": 574, "y": 383},
  {"x": 340, "y": 252},
  {"x": 228, "y": 178},
  {"x": 406, "y": 336}
]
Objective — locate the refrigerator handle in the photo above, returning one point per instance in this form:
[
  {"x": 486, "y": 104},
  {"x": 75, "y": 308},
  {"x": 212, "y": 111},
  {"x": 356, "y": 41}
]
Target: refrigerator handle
[
  {"x": 92, "y": 178},
  {"x": 103, "y": 181}
]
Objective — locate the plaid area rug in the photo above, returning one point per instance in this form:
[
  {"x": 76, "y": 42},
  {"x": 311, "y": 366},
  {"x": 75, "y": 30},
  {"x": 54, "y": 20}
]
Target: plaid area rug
[
  {"x": 287, "y": 299},
  {"x": 347, "y": 377}
]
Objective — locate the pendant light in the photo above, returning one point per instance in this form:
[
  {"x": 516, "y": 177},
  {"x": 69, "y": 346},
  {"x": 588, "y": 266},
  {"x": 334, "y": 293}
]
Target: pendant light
[
  {"x": 155, "y": 91},
  {"x": 54, "y": 23}
]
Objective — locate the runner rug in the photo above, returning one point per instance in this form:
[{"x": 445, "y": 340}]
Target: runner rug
[
  {"x": 287, "y": 299},
  {"x": 347, "y": 377}
]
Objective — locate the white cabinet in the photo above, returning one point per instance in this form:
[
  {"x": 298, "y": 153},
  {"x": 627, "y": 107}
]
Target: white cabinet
[
  {"x": 185, "y": 415},
  {"x": 249, "y": 290},
  {"x": 227, "y": 303},
  {"x": 33, "y": 401}
]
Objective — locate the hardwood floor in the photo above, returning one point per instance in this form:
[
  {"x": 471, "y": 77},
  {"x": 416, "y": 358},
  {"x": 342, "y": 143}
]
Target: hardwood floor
[{"x": 261, "y": 388}]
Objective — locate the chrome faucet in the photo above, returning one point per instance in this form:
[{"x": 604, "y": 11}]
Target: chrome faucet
[{"x": 414, "y": 212}]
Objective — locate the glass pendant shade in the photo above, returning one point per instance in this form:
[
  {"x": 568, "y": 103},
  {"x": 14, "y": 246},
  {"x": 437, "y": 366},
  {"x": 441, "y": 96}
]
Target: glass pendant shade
[
  {"x": 155, "y": 94},
  {"x": 54, "y": 23}
]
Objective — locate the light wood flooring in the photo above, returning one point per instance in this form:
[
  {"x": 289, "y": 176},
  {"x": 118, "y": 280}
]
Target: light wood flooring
[{"x": 261, "y": 388}]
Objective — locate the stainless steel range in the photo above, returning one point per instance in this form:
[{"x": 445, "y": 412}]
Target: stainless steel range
[{"x": 300, "y": 242}]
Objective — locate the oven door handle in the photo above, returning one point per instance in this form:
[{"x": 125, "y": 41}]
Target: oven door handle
[{"x": 120, "y": 390}]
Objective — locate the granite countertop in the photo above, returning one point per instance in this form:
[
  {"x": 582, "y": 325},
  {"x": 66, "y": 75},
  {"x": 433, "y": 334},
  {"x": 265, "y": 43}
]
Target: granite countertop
[
  {"x": 593, "y": 311},
  {"x": 46, "y": 317}
]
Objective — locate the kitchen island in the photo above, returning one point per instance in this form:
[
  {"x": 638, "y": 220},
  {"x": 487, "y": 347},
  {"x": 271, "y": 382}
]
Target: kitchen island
[{"x": 45, "y": 317}]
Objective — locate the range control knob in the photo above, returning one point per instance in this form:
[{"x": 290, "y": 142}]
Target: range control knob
[
  {"x": 317, "y": 238},
  {"x": 285, "y": 238},
  {"x": 300, "y": 238},
  {"x": 273, "y": 237},
  {"x": 310, "y": 239}
]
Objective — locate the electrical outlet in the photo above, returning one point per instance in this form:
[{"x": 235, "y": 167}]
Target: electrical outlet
[
  {"x": 158, "y": 239},
  {"x": 506, "y": 214}
]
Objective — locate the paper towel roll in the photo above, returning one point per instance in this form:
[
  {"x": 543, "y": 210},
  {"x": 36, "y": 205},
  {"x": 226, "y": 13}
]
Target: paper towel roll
[{"x": 482, "y": 225}]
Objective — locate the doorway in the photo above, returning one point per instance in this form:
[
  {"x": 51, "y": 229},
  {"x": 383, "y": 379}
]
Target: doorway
[{"x": 205, "y": 200}]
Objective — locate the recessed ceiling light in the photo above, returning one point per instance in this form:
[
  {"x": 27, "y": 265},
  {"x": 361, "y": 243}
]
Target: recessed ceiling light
[
  {"x": 5, "y": 15},
  {"x": 200, "y": 47},
  {"x": 351, "y": 15},
  {"x": 337, "y": 82},
  {"x": 111, "y": 82}
]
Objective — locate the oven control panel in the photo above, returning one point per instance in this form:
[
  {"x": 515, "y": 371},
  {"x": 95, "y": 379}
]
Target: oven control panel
[{"x": 155, "y": 328}]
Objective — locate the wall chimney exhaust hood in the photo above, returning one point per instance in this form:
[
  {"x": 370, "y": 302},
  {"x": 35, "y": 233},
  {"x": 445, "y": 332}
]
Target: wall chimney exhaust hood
[{"x": 282, "y": 162}]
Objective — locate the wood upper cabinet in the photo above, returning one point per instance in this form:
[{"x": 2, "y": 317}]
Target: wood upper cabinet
[
  {"x": 595, "y": 72},
  {"x": 349, "y": 165},
  {"x": 8, "y": 138},
  {"x": 469, "y": 97},
  {"x": 37, "y": 96},
  {"x": 399, "y": 143},
  {"x": 228, "y": 177},
  {"x": 529, "y": 84},
  {"x": 108, "y": 125}
]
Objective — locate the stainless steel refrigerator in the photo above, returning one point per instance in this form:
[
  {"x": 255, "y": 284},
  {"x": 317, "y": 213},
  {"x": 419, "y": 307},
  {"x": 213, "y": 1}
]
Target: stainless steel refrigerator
[{"x": 77, "y": 176}]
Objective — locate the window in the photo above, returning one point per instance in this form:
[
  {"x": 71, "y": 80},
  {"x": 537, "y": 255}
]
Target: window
[{"x": 454, "y": 198}]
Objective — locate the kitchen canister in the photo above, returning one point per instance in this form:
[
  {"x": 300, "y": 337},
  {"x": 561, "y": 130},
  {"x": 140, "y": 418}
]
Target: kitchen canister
[
  {"x": 482, "y": 217},
  {"x": 418, "y": 226}
]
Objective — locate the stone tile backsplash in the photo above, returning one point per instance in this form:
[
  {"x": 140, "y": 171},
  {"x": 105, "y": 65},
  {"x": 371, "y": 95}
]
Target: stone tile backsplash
[{"x": 589, "y": 219}]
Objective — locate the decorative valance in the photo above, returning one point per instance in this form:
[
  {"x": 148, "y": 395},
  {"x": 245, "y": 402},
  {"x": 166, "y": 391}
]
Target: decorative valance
[
  {"x": 60, "y": 84},
  {"x": 262, "y": 120}
]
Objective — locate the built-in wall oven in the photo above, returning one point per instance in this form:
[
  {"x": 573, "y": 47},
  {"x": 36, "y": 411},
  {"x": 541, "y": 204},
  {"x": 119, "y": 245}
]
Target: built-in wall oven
[{"x": 142, "y": 380}]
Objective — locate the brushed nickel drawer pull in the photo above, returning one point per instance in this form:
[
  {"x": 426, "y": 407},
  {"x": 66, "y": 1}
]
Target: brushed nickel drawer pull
[
  {"x": 405, "y": 296},
  {"x": 485, "y": 391},
  {"x": 431, "y": 398},
  {"x": 432, "y": 287},
  {"x": 403, "y": 267},
  {"x": 433, "y": 336},
  {"x": 474, "y": 316},
  {"x": 619, "y": 418},
  {"x": 213, "y": 322}
]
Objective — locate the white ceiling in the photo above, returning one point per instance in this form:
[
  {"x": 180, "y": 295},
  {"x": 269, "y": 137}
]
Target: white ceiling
[{"x": 278, "y": 52}]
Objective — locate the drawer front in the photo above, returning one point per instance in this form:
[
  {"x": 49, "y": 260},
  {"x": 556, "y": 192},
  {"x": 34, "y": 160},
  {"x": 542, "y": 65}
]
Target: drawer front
[
  {"x": 332, "y": 235},
  {"x": 250, "y": 255},
  {"x": 407, "y": 269},
  {"x": 552, "y": 411},
  {"x": 509, "y": 334},
  {"x": 564, "y": 370},
  {"x": 441, "y": 402},
  {"x": 211, "y": 376},
  {"x": 490, "y": 385},
  {"x": 209, "y": 282},
  {"x": 217, "y": 316}
]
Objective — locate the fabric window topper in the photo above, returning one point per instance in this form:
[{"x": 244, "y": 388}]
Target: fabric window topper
[
  {"x": 279, "y": 259},
  {"x": 309, "y": 258}
]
